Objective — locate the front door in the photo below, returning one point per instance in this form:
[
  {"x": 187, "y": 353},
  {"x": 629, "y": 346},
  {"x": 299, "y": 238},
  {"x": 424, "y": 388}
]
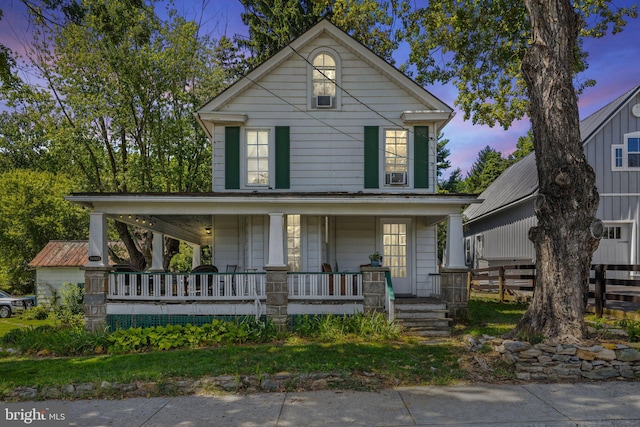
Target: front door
[{"x": 396, "y": 254}]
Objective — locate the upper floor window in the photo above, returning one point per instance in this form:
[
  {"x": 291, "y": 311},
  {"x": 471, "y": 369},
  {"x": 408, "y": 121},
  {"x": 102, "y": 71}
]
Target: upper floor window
[
  {"x": 396, "y": 166},
  {"x": 324, "y": 78},
  {"x": 257, "y": 157},
  {"x": 626, "y": 155}
]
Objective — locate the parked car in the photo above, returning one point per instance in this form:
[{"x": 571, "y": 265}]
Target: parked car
[{"x": 10, "y": 304}]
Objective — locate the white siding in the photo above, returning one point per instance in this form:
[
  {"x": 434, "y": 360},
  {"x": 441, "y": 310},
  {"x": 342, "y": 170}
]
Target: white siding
[
  {"x": 355, "y": 239},
  {"x": 312, "y": 243},
  {"x": 323, "y": 140},
  {"x": 51, "y": 279},
  {"x": 426, "y": 256}
]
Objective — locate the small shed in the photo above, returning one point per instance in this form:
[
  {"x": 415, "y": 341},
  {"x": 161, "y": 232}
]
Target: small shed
[{"x": 59, "y": 262}]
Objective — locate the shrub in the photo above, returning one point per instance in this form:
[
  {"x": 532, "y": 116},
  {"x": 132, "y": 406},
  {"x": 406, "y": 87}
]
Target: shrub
[
  {"x": 371, "y": 326},
  {"x": 39, "y": 312},
  {"x": 61, "y": 341},
  {"x": 69, "y": 309},
  {"x": 177, "y": 336}
]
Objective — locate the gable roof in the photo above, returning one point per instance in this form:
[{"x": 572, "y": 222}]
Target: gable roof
[
  {"x": 520, "y": 180},
  {"x": 207, "y": 113}
]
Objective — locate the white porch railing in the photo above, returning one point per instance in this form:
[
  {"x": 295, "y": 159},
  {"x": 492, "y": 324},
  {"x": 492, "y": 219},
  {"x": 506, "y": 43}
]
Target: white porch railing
[
  {"x": 325, "y": 286},
  {"x": 186, "y": 286}
]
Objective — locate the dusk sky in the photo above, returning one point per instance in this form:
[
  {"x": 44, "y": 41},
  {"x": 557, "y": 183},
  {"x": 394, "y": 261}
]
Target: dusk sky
[{"x": 614, "y": 62}]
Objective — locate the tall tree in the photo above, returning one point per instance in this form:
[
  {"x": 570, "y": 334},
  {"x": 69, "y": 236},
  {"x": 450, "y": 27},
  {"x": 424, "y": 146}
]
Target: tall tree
[
  {"x": 524, "y": 146},
  {"x": 488, "y": 166},
  {"x": 126, "y": 83},
  {"x": 442, "y": 155},
  {"x": 273, "y": 24},
  {"x": 32, "y": 212},
  {"x": 507, "y": 59}
]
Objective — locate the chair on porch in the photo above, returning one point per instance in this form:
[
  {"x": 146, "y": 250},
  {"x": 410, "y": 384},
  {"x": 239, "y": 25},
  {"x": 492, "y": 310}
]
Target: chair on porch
[
  {"x": 326, "y": 268},
  {"x": 129, "y": 279},
  {"x": 231, "y": 268},
  {"x": 203, "y": 268}
]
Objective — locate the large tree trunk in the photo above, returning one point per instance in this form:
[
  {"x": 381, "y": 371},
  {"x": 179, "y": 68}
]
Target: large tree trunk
[{"x": 568, "y": 200}]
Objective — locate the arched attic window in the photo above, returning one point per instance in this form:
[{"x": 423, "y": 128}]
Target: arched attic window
[{"x": 325, "y": 74}]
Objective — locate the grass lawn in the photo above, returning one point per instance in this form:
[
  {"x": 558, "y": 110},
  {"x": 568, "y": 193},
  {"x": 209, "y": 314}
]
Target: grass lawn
[
  {"x": 404, "y": 361},
  {"x": 15, "y": 322}
]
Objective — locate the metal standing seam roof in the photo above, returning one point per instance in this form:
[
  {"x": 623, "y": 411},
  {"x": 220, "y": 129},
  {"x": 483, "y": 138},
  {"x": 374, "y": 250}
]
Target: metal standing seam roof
[
  {"x": 520, "y": 180},
  {"x": 62, "y": 253}
]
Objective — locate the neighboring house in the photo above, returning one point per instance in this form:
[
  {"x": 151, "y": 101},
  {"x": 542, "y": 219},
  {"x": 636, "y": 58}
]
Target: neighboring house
[
  {"x": 322, "y": 155},
  {"x": 496, "y": 231},
  {"x": 59, "y": 262}
]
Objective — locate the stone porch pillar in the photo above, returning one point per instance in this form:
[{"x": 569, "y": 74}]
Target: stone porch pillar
[
  {"x": 277, "y": 290},
  {"x": 454, "y": 250},
  {"x": 453, "y": 290},
  {"x": 374, "y": 287},
  {"x": 96, "y": 285}
]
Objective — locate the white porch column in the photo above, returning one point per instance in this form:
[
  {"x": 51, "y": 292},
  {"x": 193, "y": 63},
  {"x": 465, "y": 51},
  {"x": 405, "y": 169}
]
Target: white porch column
[
  {"x": 276, "y": 240},
  {"x": 196, "y": 259},
  {"x": 454, "y": 249},
  {"x": 98, "y": 249},
  {"x": 157, "y": 251}
]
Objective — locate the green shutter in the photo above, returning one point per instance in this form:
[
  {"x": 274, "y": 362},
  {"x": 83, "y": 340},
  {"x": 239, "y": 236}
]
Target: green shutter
[
  {"x": 232, "y": 158},
  {"x": 371, "y": 157},
  {"x": 421, "y": 156},
  {"x": 282, "y": 157}
]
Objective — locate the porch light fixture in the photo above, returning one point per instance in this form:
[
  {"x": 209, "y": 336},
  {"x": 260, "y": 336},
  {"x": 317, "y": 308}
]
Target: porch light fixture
[{"x": 207, "y": 230}]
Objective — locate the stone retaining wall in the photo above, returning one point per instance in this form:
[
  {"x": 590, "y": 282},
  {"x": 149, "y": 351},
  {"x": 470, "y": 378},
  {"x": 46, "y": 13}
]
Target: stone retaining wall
[{"x": 569, "y": 361}]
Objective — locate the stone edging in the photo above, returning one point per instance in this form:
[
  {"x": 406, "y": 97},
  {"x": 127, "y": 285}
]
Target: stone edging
[
  {"x": 279, "y": 382},
  {"x": 549, "y": 361}
]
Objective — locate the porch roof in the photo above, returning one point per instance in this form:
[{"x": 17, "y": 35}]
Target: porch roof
[{"x": 185, "y": 216}]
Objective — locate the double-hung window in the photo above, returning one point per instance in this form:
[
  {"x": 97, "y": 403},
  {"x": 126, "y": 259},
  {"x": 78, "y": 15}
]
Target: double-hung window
[
  {"x": 626, "y": 156},
  {"x": 396, "y": 166},
  {"x": 257, "y": 157}
]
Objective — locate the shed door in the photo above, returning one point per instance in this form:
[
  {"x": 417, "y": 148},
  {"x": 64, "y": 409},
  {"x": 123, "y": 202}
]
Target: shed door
[
  {"x": 396, "y": 256},
  {"x": 615, "y": 246}
]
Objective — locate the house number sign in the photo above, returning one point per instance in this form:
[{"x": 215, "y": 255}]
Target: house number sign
[{"x": 95, "y": 258}]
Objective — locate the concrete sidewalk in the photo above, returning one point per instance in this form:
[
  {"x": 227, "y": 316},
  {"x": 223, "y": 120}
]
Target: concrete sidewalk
[{"x": 579, "y": 404}]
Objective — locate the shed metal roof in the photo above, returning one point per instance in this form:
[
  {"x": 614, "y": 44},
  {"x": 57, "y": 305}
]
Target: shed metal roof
[
  {"x": 520, "y": 180},
  {"x": 63, "y": 253}
]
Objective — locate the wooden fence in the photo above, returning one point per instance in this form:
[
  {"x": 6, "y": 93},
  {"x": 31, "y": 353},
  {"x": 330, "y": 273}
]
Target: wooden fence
[
  {"x": 613, "y": 288},
  {"x": 502, "y": 279},
  {"x": 507, "y": 278}
]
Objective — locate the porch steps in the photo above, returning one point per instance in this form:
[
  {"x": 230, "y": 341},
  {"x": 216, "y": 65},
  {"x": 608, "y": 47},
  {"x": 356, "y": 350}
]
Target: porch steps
[{"x": 427, "y": 317}]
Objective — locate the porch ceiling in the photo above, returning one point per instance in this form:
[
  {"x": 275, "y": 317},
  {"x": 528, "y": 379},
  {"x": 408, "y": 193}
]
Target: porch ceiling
[{"x": 187, "y": 216}]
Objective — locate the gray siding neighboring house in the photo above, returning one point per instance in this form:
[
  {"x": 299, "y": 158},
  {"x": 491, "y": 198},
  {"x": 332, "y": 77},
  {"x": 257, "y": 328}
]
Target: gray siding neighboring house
[{"x": 496, "y": 231}]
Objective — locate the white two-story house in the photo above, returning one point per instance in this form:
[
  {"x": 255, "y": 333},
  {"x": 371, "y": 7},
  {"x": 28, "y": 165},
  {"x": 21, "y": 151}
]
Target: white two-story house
[{"x": 322, "y": 155}]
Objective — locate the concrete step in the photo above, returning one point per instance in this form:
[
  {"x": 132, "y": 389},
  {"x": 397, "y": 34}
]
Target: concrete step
[
  {"x": 414, "y": 314},
  {"x": 429, "y": 332},
  {"x": 420, "y": 307},
  {"x": 431, "y": 323}
]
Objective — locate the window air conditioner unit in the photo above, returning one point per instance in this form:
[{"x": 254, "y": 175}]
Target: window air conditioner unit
[
  {"x": 396, "y": 178},
  {"x": 324, "y": 101}
]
